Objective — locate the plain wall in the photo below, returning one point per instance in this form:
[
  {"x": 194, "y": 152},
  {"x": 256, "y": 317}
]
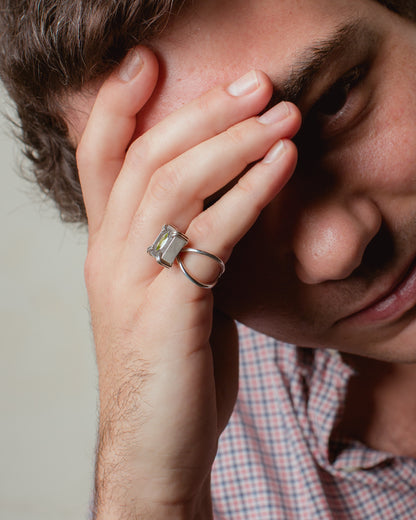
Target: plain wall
[{"x": 48, "y": 381}]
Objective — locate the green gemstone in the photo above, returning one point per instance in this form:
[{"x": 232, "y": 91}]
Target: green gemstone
[{"x": 162, "y": 241}]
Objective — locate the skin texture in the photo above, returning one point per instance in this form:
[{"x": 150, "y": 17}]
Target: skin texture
[
  {"x": 159, "y": 370},
  {"x": 344, "y": 209},
  {"x": 362, "y": 188},
  {"x": 332, "y": 237}
]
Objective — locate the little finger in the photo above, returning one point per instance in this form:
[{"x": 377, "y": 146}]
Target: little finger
[{"x": 110, "y": 127}]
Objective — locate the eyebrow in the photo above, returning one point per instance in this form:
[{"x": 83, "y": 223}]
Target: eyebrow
[{"x": 317, "y": 59}]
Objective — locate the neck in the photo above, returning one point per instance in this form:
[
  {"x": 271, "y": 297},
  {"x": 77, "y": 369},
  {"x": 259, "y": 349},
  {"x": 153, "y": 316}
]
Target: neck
[{"x": 381, "y": 406}]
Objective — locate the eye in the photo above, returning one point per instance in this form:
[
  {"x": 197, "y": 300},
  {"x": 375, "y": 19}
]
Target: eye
[
  {"x": 335, "y": 98},
  {"x": 340, "y": 104}
]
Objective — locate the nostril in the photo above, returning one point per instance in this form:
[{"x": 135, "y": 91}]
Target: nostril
[{"x": 379, "y": 253}]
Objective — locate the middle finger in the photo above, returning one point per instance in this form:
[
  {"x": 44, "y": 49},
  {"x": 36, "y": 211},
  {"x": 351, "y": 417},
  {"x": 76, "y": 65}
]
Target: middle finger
[{"x": 176, "y": 191}]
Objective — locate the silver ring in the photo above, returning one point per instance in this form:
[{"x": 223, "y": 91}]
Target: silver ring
[
  {"x": 167, "y": 247},
  {"x": 205, "y": 253}
]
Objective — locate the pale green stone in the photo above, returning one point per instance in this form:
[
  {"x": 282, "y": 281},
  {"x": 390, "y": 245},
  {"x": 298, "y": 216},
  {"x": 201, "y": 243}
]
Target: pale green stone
[{"x": 162, "y": 241}]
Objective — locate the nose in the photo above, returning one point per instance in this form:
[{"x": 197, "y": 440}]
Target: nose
[{"x": 331, "y": 238}]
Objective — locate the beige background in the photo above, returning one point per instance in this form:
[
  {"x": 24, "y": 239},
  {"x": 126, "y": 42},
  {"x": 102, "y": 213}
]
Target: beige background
[{"x": 48, "y": 381}]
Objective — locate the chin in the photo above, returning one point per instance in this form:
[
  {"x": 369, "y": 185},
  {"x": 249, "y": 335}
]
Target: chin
[{"x": 398, "y": 346}]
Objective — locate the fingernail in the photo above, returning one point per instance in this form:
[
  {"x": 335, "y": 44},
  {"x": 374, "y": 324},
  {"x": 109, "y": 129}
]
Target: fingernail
[
  {"x": 244, "y": 85},
  {"x": 275, "y": 114},
  {"x": 131, "y": 66},
  {"x": 275, "y": 152}
]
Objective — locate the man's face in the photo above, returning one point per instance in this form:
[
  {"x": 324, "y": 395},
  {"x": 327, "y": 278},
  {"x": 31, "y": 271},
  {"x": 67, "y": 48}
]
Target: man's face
[{"x": 332, "y": 261}]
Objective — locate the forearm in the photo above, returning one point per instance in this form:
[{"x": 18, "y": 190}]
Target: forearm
[{"x": 132, "y": 479}]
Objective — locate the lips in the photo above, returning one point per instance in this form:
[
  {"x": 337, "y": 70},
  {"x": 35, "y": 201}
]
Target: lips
[{"x": 399, "y": 298}]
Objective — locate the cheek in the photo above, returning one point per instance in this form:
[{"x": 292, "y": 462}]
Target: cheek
[
  {"x": 390, "y": 151},
  {"x": 394, "y": 153},
  {"x": 381, "y": 160}
]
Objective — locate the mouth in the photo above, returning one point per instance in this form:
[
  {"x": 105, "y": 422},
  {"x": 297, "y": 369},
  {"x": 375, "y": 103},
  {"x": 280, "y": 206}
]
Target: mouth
[{"x": 391, "y": 304}]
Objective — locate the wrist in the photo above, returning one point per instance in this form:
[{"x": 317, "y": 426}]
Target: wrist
[
  {"x": 132, "y": 508},
  {"x": 183, "y": 512},
  {"x": 200, "y": 511}
]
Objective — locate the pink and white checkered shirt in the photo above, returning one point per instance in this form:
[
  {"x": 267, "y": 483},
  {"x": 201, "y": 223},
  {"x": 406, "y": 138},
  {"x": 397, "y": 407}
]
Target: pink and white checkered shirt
[{"x": 277, "y": 459}]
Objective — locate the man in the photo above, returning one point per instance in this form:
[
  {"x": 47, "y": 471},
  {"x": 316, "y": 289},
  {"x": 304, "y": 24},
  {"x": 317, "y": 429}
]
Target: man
[{"x": 324, "y": 248}]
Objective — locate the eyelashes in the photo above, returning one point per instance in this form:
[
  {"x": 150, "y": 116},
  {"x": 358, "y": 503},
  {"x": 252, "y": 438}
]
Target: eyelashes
[
  {"x": 335, "y": 98},
  {"x": 338, "y": 107}
]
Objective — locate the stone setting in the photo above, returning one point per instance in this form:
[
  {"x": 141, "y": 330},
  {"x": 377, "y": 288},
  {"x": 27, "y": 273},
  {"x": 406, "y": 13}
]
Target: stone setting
[{"x": 167, "y": 245}]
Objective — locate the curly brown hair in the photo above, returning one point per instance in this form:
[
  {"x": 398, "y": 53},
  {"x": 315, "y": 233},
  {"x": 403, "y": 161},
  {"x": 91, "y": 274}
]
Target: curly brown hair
[{"x": 52, "y": 47}]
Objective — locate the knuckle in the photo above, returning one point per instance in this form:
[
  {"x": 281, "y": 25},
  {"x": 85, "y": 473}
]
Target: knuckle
[
  {"x": 245, "y": 185},
  {"x": 205, "y": 102},
  {"x": 215, "y": 107},
  {"x": 203, "y": 225},
  {"x": 139, "y": 151},
  {"x": 250, "y": 192},
  {"x": 165, "y": 182},
  {"x": 236, "y": 134}
]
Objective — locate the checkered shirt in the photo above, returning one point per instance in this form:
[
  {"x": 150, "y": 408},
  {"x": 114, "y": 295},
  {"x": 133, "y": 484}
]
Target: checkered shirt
[{"x": 277, "y": 458}]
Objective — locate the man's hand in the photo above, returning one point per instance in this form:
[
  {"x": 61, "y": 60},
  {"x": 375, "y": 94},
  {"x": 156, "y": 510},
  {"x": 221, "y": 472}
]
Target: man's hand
[{"x": 167, "y": 380}]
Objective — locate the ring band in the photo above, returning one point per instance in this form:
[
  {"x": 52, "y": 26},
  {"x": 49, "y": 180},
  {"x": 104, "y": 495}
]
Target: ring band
[
  {"x": 205, "y": 253},
  {"x": 167, "y": 247}
]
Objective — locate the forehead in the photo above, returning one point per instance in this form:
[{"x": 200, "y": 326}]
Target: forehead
[{"x": 214, "y": 41}]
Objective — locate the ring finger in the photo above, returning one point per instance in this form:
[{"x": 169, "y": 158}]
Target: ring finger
[
  {"x": 176, "y": 192},
  {"x": 222, "y": 225}
]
